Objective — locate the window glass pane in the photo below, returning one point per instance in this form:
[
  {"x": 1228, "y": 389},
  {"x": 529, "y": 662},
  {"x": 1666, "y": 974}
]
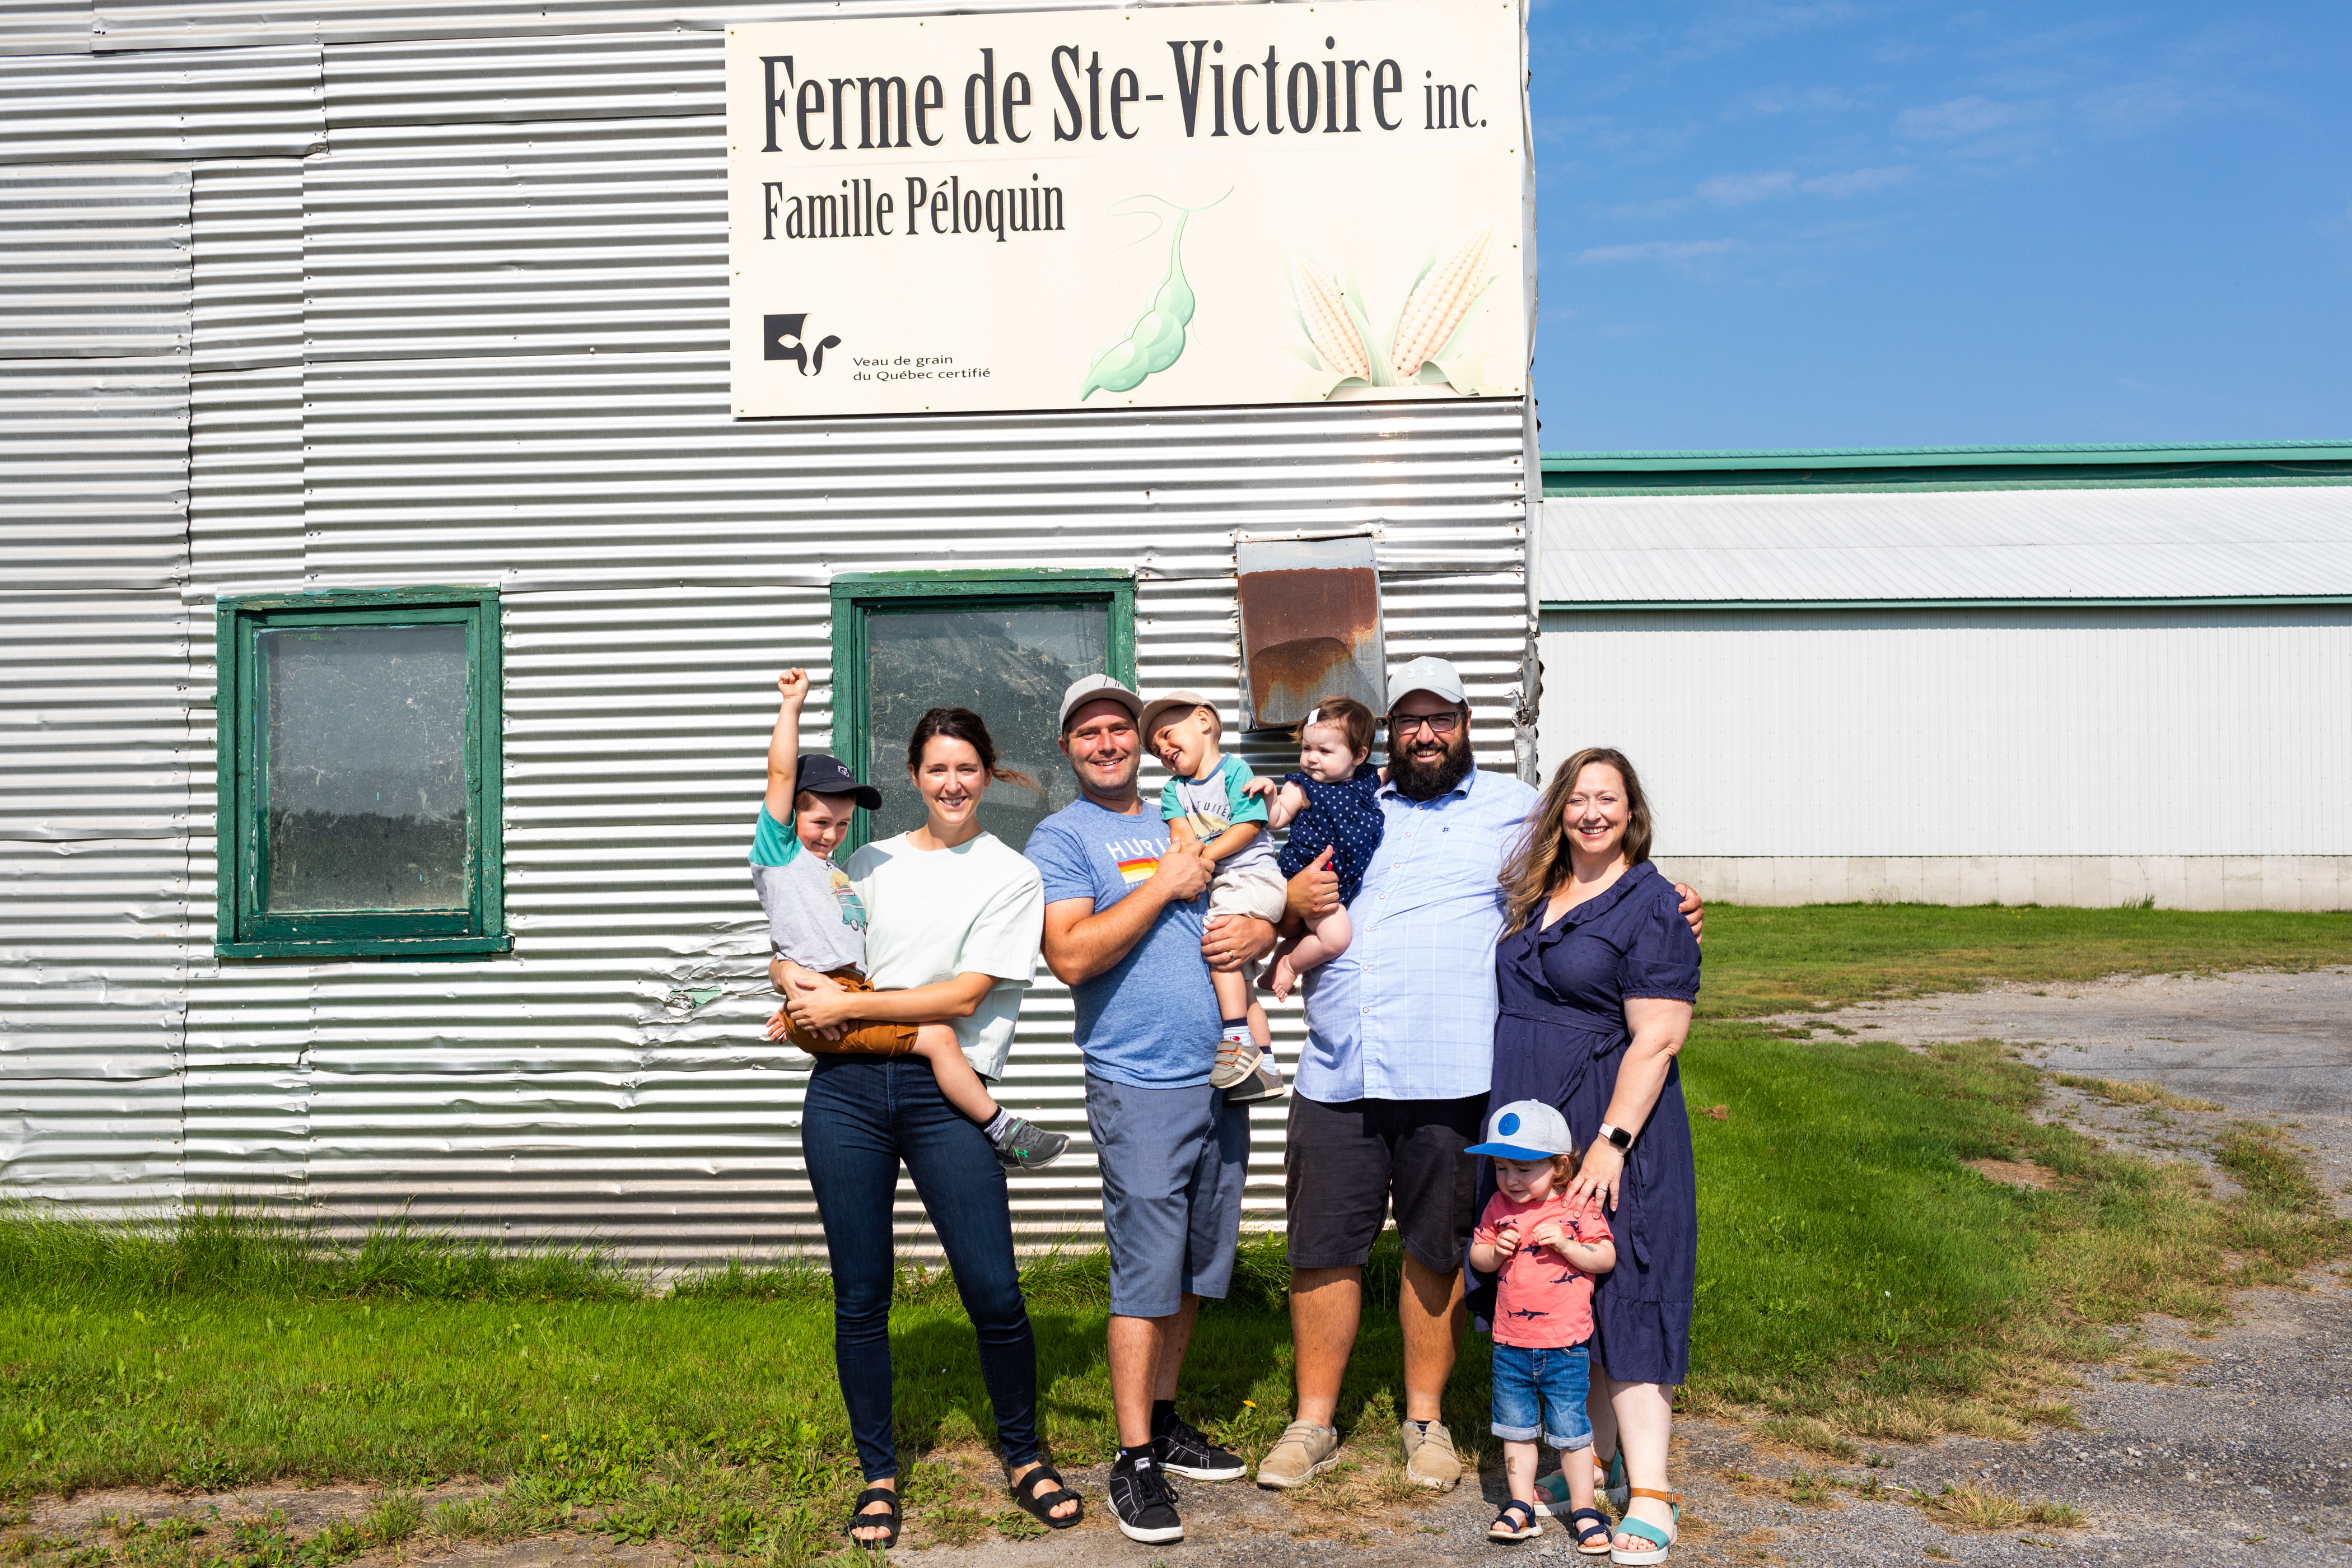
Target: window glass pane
[
  {"x": 1009, "y": 665},
  {"x": 366, "y": 786}
]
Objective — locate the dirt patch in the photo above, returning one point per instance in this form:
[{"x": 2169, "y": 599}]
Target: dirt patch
[{"x": 2014, "y": 1173}]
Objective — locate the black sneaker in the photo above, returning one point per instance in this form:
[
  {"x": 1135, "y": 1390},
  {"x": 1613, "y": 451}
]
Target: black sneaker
[
  {"x": 1185, "y": 1451},
  {"x": 1142, "y": 1501},
  {"x": 1028, "y": 1147}
]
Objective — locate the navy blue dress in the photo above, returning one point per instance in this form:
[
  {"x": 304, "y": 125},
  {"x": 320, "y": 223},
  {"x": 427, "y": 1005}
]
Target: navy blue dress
[
  {"x": 1560, "y": 1036},
  {"x": 1345, "y": 815}
]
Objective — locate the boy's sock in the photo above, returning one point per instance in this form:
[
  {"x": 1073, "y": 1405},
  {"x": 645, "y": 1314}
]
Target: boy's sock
[
  {"x": 1237, "y": 1031},
  {"x": 1163, "y": 1413},
  {"x": 996, "y": 1128}
]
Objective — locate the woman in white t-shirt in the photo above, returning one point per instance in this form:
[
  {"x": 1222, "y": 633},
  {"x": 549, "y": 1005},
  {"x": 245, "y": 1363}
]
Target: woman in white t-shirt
[{"x": 953, "y": 920}]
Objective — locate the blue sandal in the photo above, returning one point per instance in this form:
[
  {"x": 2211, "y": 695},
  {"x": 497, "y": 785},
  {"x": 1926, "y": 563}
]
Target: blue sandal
[
  {"x": 1591, "y": 1537},
  {"x": 1504, "y": 1529},
  {"x": 1643, "y": 1531}
]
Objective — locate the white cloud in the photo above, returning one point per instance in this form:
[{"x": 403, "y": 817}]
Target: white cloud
[
  {"x": 1959, "y": 117},
  {"x": 1656, "y": 250},
  {"x": 1740, "y": 190},
  {"x": 1854, "y": 182}
]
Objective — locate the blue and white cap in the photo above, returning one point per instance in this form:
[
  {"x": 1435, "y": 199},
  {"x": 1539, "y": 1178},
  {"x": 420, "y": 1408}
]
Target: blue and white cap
[{"x": 1525, "y": 1130}]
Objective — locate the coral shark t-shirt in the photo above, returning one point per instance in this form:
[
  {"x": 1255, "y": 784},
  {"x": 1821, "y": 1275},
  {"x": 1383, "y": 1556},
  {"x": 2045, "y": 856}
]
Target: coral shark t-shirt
[{"x": 1542, "y": 1301}]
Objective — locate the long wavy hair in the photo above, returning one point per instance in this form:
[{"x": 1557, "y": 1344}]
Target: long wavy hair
[
  {"x": 1535, "y": 866},
  {"x": 963, "y": 724}
]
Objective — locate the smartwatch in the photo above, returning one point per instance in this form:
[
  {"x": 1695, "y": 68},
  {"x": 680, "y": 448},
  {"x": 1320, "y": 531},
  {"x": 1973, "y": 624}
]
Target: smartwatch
[{"x": 1616, "y": 1138}]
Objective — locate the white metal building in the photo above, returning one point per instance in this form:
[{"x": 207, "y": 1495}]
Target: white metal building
[
  {"x": 2089, "y": 676},
  {"x": 373, "y": 295}
]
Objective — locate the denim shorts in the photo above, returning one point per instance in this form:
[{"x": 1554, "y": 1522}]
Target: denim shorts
[{"x": 1542, "y": 1393}]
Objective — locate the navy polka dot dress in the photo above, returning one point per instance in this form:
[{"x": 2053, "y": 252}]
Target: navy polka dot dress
[{"x": 1344, "y": 816}]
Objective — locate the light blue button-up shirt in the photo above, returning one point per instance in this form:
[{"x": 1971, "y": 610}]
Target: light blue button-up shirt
[{"x": 1408, "y": 1011}]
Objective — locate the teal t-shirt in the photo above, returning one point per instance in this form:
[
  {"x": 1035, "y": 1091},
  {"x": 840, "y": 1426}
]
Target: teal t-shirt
[
  {"x": 1214, "y": 804},
  {"x": 815, "y": 916}
]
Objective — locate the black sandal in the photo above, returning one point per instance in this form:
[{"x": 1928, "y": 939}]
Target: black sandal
[
  {"x": 860, "y": 1519},
  {"x": 1041, "y": 1508}
]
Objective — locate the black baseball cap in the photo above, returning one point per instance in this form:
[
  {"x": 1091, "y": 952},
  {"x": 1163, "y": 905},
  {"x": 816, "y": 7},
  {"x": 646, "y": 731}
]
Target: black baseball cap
[{"x": 821, "y": 775}]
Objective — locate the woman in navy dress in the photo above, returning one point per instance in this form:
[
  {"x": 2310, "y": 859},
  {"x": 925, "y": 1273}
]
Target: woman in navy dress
[{"x": 1595, "y": 980}]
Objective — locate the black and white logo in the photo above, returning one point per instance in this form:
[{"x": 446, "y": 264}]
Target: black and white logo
[{"x": 783, "y": 336}]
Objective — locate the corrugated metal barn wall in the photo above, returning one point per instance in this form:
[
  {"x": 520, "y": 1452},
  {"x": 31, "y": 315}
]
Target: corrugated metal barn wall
[{"x": 475, "y": 332}]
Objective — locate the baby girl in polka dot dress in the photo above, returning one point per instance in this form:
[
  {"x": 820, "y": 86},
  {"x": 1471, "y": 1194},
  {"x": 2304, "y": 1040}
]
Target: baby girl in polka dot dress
[{"x": 1331, "y": 802}]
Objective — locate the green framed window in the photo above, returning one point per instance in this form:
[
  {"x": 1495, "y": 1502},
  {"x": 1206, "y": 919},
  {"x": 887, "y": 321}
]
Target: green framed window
[
  {"x": 1003, "y": 644},
  {"x": 359, "y": 782}
]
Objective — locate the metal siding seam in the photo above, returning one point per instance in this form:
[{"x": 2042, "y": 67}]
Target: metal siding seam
[
  {"x": 93, "y": 472},
  {"x": 447, "y": 242},
  {"x": 245, "y": 492},
  {"x": 606, "y": 76},
  {"x": 228, "y": 24},
  {"x": 161, "y": 107},
  {"x": 93, "y": 260},
  {"x": 46, "y": 27},
  {"x": 248, "y": 297}
]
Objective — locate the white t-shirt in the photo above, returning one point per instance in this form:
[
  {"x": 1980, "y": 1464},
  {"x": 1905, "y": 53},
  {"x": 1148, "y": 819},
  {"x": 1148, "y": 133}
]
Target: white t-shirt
[{"x": 932, "y": 915}]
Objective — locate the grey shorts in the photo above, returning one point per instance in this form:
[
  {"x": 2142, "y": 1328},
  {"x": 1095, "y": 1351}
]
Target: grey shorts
[{"x": 1173, "y": 1161}]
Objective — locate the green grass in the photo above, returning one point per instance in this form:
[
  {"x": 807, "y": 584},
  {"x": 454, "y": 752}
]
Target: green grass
[
  {"x": 1761, "y": 959},
  {"x": 1857, "y": 1281}
]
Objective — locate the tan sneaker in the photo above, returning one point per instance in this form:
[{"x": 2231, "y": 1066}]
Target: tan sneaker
[
  {"x": 1429, "y": 1457},
  {"x": 1302, "y": 1452}
]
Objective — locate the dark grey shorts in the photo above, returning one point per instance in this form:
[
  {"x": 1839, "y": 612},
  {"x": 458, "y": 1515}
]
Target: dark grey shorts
[
  {"x": 1173, "y": 1161},
  {"x": 1348, "y": 1164}
]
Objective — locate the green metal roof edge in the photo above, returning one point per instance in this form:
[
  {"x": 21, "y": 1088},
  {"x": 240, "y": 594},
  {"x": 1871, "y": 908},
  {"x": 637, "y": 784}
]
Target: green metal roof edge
[
  {"x": 1957, "y": 457},
  {"x": 1745, "y": 483}
]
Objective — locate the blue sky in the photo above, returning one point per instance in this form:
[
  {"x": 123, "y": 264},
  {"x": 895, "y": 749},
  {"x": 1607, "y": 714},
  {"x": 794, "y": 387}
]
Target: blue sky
[{"x": 1874, "y": 225}]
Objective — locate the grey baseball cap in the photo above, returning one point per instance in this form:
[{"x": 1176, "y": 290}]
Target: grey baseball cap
[
  {"x": 1156, "y": 713},
  {"x": 1096, "y": 687},
  {"x": 1427, "y": 673}
]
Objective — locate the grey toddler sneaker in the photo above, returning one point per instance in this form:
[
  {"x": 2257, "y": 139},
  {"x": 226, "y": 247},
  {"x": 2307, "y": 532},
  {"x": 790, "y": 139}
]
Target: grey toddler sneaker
[
  {"x": 1262, "y": 1085},
  {"x": 1236, "y": 1064},
  {"x": 1025, "y": 1146}
]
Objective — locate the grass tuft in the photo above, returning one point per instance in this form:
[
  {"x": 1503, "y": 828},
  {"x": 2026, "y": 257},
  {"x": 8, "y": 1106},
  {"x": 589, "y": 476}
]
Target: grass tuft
[
  {"x": 1977, "y": 1506},
  {"x": 1803, "y": 1432},
  {"x": 2118, "y": 1093},
  {"x": 2271, "y": 1168}
]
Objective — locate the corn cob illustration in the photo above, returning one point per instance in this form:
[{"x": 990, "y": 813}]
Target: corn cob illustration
[
  {"x": 1328, "y": 326},
  {"x": 1439, "y": 303}
]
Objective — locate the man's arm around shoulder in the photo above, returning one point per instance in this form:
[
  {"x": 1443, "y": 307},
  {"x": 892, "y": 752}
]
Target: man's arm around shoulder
[{"x": 1082, "y": 941}]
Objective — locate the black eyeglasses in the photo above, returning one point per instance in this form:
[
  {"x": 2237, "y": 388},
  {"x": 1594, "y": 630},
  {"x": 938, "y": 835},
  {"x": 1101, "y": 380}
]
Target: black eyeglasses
[{"x": 1439, "y": 723}]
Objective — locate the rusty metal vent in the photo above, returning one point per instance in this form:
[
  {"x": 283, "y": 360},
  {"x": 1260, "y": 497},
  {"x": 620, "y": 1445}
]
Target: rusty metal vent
[{"x": 1310, "y": 626}]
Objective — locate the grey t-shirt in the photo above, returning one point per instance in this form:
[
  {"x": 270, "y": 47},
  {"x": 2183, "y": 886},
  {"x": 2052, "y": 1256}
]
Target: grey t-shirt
[{"x": 815, "y": 918}]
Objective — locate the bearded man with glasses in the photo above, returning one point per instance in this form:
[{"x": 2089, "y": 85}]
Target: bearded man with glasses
[{"x": 1392, "y": 1086}]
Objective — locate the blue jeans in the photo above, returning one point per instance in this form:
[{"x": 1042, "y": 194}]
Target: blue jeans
[
  {"x": 1542, "y": 1393},
  {"x": 862, "y": 1116}
]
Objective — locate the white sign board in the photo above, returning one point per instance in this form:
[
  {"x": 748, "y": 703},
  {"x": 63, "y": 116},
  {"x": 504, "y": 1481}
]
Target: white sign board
[{"x": 1193, "y": 204}]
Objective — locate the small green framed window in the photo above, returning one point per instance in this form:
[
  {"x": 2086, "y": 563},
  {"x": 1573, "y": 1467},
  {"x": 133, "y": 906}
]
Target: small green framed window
[
  {"x": 360, "y": 800},
  {"x": 1003, "y": 644}
]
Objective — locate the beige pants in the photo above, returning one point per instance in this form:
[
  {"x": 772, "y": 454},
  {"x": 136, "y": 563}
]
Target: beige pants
[{"x": 1258, "y": 891}]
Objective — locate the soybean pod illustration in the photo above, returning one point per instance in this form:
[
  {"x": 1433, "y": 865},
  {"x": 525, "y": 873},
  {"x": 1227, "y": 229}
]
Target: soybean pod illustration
[{"x": 1157, "y": 339}]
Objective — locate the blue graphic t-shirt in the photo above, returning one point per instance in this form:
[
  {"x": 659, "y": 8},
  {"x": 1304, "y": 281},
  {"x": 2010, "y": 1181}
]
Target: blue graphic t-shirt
[{"x": 1151, "y": 1020}]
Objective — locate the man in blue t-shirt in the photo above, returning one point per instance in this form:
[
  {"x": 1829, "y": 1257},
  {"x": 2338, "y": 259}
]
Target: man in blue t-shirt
[{"x": 1124, "y": 931}]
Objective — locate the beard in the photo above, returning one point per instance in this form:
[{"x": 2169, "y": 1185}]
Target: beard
[{"x": 1426, "y": 778}]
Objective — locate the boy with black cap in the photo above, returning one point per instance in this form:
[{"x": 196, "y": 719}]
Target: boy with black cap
[{"x": 817, "y": 922}]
